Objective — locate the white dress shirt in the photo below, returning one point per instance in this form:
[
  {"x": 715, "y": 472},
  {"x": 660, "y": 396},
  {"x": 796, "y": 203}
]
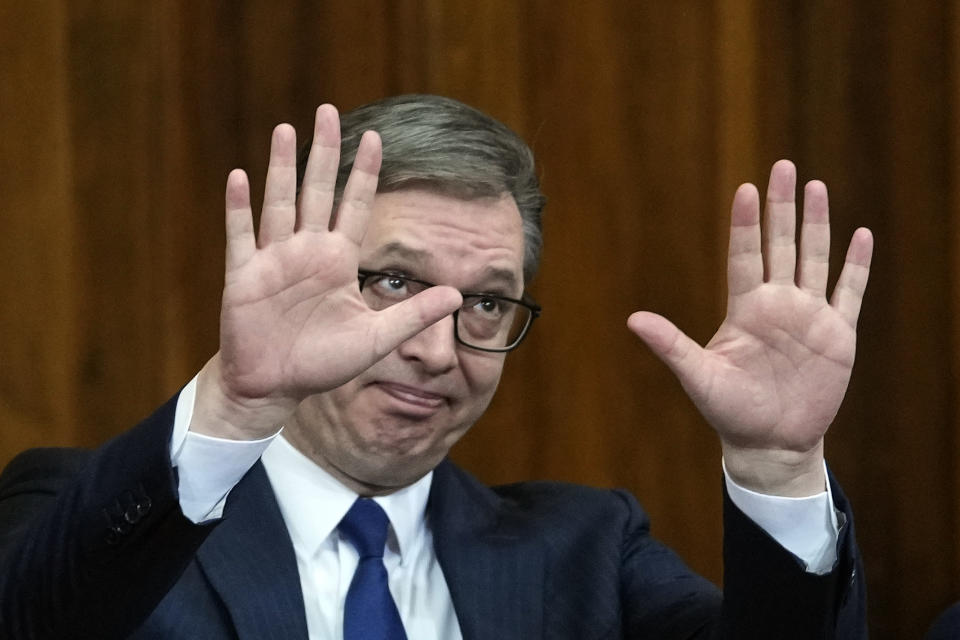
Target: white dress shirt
[{"x": 312, "y": 504}]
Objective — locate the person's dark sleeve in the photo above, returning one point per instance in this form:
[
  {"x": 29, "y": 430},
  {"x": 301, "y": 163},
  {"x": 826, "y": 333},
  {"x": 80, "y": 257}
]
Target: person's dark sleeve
[
  {"x": 91, "y": 541},
  {"x": 767, "y": 590}
]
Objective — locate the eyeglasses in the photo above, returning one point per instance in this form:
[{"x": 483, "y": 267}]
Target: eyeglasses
[{"x": 485, "y": 321}]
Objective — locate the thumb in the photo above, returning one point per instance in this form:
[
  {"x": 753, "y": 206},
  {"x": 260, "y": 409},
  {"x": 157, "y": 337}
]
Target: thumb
[
  {"x": 404, "y": 320},
  {"x": 672, "y": 346}
]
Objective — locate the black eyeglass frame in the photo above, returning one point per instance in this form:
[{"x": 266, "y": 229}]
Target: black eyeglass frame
[{"x": 528, "y": 303}]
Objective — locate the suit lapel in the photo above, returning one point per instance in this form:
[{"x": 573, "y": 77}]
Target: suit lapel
[
  {"x": 495, "y": 574},
  {"x": 250, "y": 562}
]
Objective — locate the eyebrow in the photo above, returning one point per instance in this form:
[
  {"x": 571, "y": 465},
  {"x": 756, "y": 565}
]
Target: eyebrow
[
  {"x": 420, "y": 257},
  {"x": 405, "y": 252}
]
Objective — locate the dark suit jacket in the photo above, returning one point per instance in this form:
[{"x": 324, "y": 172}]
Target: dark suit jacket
[
  {"x": 94, "y": 546},
  {"x": 946, "y": 626}
]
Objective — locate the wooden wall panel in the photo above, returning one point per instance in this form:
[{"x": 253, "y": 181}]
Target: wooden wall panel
[
  {"x": 952, "y": 444},
  {"x": 917, "y": 196},
  {"x": 120, "y": 123},
  {"x": 606, "y": 90},
  {"x": 38, "y": 347},
  {"x": 111, "y": 69}
]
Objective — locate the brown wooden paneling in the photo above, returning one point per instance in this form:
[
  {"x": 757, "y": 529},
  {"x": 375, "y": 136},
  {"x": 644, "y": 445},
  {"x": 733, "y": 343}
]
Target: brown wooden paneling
[
  {"x": 918, "y": 197},
  {"x": 121, "y": 120},
  {"x": 38, "y": 345},
  {"x": 952, "y": 442},
  {"x": 111, "y": 69}
]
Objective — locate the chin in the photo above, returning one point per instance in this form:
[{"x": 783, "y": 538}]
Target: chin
[{"x": 392, "y": 474}]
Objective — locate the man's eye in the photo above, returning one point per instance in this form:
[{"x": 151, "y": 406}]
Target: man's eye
[
  {"x": 393, "y": 286},
  {"x": 488, "y": 306}
]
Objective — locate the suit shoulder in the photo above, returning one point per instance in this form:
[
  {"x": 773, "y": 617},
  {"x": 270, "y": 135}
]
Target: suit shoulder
[
  {"x": 550, "y": 490},
  {"x": 42, "y": 470},
  {"x": 947, "y": 625},
  {"x": 566, "y": 500}
]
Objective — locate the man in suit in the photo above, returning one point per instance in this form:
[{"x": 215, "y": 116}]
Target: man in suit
[{"x": 364, "y": 328}]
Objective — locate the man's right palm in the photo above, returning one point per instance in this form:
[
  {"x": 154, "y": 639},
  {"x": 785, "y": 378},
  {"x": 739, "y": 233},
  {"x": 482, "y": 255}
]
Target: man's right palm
[{"x": 293, "y": 322}]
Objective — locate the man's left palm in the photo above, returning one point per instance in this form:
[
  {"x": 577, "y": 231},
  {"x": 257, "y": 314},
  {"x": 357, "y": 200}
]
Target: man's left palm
[{"x": 772, "y": 378}]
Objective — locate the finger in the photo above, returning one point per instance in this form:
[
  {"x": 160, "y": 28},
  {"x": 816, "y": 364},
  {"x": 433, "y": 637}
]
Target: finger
[
  {"x": 404, "y": 320},
  {"x": 848, "y": 294},
  {"x": 355, "y": 208},
  {"x": 279, "y": 196},
  {"x": 780, "y": 224},
  {"x": 241, "y": 241},
  {"x": 814, "y": 240},
  {"x": 320, "y": 176},
  {"x": 681, "y": 354},
  {"x": 744, "y": 261}
]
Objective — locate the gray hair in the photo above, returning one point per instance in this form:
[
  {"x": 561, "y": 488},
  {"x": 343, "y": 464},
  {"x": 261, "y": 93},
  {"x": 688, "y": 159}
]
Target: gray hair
[{"x": 444, "y": 145}]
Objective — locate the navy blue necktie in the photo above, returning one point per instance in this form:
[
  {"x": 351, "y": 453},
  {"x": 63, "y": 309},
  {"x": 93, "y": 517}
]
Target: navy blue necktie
[{"x": 369, "y": 612}]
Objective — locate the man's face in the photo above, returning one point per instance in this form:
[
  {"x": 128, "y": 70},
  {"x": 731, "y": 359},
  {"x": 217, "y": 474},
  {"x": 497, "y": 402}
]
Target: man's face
[{"x": 393, "y": 423}]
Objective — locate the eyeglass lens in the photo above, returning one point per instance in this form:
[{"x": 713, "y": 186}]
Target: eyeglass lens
[{"x": 482, "y": 321}]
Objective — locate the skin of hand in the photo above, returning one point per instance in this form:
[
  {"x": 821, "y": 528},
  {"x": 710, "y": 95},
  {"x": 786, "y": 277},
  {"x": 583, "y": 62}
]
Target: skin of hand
[
  {"x": 772, "y": 378},
  {"x": 293, "y": 322}
]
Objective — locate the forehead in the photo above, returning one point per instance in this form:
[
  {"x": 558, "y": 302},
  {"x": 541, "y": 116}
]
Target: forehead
[{"x": 464, "y": 243}]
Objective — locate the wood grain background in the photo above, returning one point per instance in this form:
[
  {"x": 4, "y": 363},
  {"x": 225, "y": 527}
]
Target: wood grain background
[{"x": 119, "y": 121}]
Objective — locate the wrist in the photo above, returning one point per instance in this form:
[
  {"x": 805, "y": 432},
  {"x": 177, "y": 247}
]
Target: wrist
[
  {"x": 221, "y": 414},
  {"x": 792, "y": 474}
]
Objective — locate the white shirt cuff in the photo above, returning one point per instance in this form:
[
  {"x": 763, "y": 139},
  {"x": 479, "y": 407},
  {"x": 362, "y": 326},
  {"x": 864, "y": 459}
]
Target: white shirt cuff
[
  {"x": 208, "y": 467},
  {"x": 806, "y": 527}
]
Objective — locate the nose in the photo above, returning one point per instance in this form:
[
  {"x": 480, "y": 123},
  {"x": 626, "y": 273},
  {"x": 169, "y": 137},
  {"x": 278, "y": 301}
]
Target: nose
[{"x": 434, "y": 347}]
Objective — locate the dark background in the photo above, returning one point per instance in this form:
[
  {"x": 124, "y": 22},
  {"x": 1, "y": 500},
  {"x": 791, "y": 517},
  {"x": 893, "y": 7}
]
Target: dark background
[{"x": 119, "y": 122}]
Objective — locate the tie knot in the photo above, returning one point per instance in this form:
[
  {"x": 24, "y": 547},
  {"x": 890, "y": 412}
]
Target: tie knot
[{"x": 365, "y": 526}]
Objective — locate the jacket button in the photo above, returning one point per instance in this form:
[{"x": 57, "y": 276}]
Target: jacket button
[{"x": 132, "y": 514}]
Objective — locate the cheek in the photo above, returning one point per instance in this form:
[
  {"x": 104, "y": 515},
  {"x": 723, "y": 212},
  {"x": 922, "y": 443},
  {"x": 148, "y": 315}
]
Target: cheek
[
  {"x": 321, "y": 410},
  {"x": 482, "y": 372}
]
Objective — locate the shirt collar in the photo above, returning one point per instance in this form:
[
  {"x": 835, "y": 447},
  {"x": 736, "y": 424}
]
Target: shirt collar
[{"x": 313, "y": 502}]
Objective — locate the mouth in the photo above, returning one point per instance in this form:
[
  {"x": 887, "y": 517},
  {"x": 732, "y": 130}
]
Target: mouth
[{"x": 411, "y": 401}]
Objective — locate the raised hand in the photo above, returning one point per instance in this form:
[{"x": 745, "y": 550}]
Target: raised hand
[
  {"x": 292, "y": 321},
  {"x": 772, "y": 378}
]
